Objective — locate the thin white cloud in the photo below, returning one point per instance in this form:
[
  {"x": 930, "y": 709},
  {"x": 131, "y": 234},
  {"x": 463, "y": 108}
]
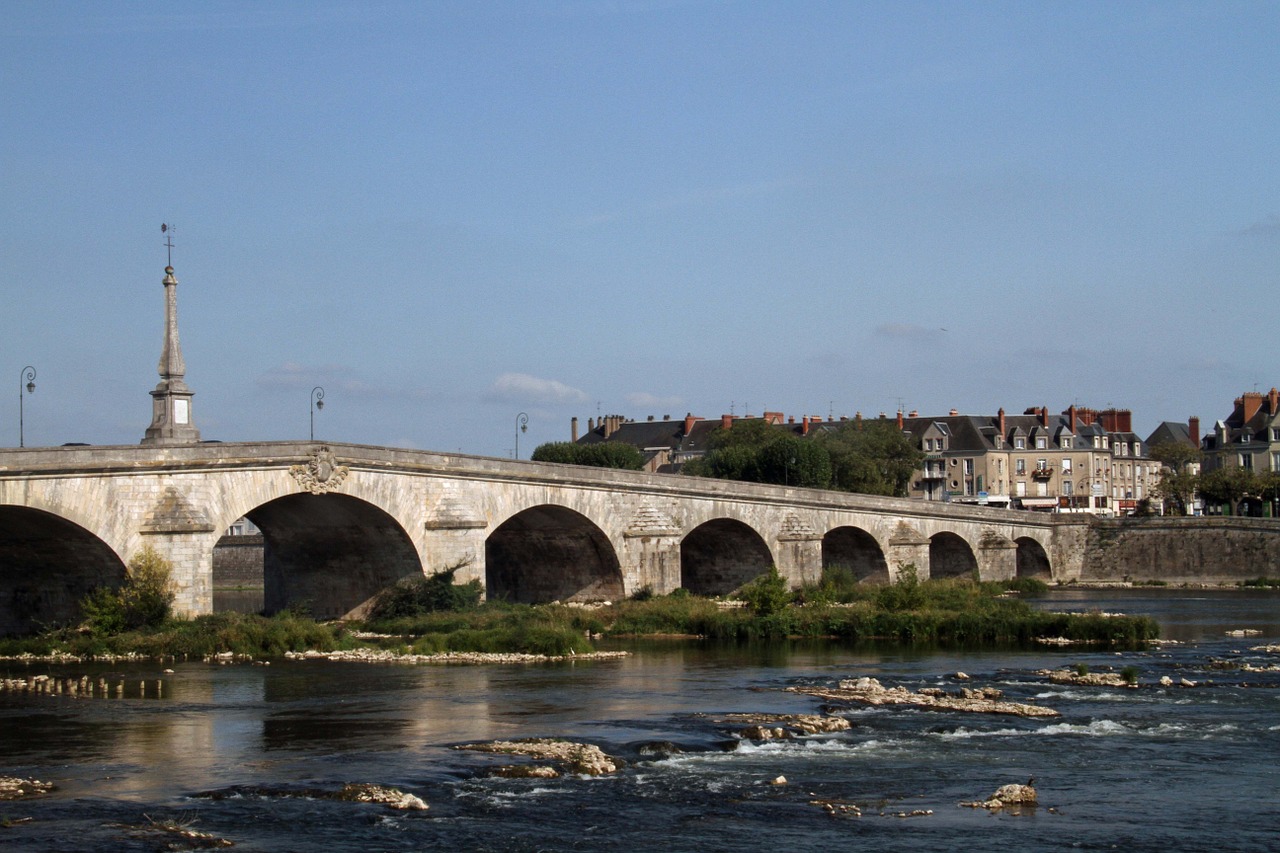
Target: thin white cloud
[
  {"x": 645, "y": 400},
  {"x": 905, "y": 330},
  {"x": 525, "y": 389},
  {"x": 1269, "y": 227},
  {"x": 695, "y": 198},
  {"x": 332, "y": 378}
]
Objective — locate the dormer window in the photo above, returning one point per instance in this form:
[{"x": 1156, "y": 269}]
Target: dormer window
[
  {"x": 1040, "y": 442},
  {"x": 1020, "y": 443}
]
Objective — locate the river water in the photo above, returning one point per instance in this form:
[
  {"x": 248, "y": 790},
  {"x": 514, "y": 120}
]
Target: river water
[{"x": 1155, "y": 768}]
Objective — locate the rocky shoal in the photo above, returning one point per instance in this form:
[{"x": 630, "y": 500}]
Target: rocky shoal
[
  {"x": 980, "y": 700},
  {"x": 445, "y": 658},
  {"x": 572, "y": 757}
]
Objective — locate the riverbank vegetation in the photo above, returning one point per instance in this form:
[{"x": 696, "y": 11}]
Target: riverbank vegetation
[{"x": 434, "y": 615}]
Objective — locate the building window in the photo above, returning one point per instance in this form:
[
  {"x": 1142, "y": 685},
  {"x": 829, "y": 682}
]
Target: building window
[
  {"x": 1020, "y": 465},
  {"x": 1275, "y": 461},
  {"x": 1246, "y": 461},
  {"x": 1066, "y": 465},
  {"x": 1275, "y": 433},
  {"x": 1040, "y": 443},
  {"x": 1066, "y": 488},
  {"x": 1020, "y": 443},
  {"x": 968, "y": 467},
  {"x": 1021, "y": 489}
]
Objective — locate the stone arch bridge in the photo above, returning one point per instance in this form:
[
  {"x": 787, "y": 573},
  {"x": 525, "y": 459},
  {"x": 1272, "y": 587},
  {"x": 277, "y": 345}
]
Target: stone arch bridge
[{"x": 341, "y": 522}]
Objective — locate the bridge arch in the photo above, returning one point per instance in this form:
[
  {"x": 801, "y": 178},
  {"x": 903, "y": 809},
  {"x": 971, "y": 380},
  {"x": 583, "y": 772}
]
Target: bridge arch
[
  {"x": 329, "y": 553},
  {"x": 551, "y": 553},
  {"x": 950, "y": 556},
  {"x": 1033, "y": 561},
  {"x": 47, "y": 564},
  {"x": 720, "y": 555},
  {"x": 858, "y": 551}
]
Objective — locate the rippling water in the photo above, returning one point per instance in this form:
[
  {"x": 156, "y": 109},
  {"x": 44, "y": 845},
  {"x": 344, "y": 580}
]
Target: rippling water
[{"x": 1149, "y": 769}]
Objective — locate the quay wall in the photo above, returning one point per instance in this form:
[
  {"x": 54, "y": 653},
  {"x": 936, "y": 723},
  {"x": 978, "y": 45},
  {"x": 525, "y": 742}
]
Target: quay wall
[{"x": 1181, "y": 550}]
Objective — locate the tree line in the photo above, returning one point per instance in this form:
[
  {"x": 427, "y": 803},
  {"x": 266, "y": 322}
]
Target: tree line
[{"x": 869, "y": 457}]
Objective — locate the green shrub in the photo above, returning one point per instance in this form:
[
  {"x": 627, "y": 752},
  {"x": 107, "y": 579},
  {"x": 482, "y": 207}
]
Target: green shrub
[
  {"x": 416, "y": 596},
  {"x": 906, "y": 594},
  {"x": 768, "y": 594},
  {"x": 144, "y": 600}
]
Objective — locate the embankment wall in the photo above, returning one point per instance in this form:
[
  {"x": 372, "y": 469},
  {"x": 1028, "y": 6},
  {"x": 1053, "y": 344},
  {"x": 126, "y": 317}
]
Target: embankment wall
[{"x": 1181, "y": 550}]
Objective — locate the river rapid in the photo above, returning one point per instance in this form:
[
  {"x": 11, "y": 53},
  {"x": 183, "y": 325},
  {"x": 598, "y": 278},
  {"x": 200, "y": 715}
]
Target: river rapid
[{"x": 217, "y": 748}]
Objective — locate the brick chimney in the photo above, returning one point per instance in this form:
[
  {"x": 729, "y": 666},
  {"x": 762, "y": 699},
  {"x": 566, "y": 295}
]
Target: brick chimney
[
  {"x": 1004, "y": 432},
  {"x": 1252, "y": 402},
  {"x": 726, "y": 421},
  {"x": 1071, "y": 418},
  {"x": 689, "y": 421},
  {"x": 1044, "y": 416},
  {"x": 1274, "y": 399},
  {"x": 804, "y": 425},
  {"x": 1193, "y": 430},
  {"x": 899, "y": 418}
]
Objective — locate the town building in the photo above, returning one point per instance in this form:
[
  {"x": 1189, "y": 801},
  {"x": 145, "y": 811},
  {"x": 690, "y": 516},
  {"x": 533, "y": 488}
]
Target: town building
[
  {"x": 1248, "y": 438},
  {"x": 1079, "y": 460}
]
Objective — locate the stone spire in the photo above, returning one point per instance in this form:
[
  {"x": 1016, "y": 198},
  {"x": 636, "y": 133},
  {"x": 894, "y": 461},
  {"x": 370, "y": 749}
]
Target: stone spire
[{"x": 171, "y": 420}]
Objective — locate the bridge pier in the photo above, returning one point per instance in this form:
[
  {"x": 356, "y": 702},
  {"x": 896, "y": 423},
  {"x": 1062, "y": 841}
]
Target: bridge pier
[
  {"x": 179, "y": 530},
  {"x": 907, "y": 547},
  {"x": 650, "y": 559},
  {"x": 191, "y": 557},
  {"x": 799, "y": 557},
  {"x": 997, "y": 558}
]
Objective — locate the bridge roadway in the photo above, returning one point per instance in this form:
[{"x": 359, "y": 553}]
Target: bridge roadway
[{"x": 340, "y": 522}]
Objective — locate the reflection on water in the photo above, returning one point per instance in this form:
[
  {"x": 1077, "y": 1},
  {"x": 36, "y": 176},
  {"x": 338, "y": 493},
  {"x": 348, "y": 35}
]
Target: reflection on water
[{"x": 1115, "y": 758}]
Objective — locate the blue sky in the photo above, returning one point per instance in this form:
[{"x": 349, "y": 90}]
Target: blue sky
[{"x": 449, "y": 213}]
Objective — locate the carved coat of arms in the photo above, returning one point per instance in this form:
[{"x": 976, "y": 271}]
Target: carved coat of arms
[{"x": 321, "y": 473}]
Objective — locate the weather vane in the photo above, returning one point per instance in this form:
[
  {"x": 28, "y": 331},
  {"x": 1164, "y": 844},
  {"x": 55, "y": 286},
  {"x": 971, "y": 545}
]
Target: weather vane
[{"x": 167, "y": 230}]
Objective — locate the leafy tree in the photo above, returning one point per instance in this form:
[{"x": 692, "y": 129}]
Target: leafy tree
[
  {"x": 1175, "y": 454},
  {"x": 612, "y": 454},
  {"x": 871, "y": 457},
  {"x": 1229, "y": 486},
  {"x": 796, "y": 462},
  {"x": 756, "y": 451},
  {"x": 604, "y": 454},
  {"x": 1177, "y": 485},
  {"x": 556, "y": 451}
]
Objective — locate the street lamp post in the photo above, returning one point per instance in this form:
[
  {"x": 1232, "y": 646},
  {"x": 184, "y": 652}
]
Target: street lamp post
[
  {"x": 522, "y": 425},
  {"x": 26, "y": 382},
  {"x": 317, "y": 403}
]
